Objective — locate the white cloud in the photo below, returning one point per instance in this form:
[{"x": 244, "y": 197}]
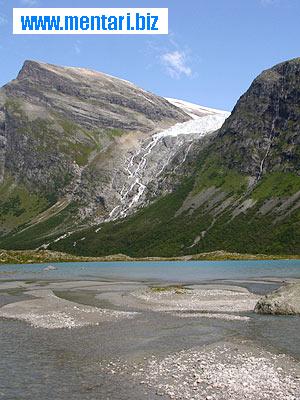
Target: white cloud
[
  {"x": 3, "y": 19},
  {"x": 175, "y": 59},
  {"x": 30, "y": 3},
  {"x": 77, "y": 47},
  {"x": 268, "y": 2},
  {"x": 176, "y": 64}
]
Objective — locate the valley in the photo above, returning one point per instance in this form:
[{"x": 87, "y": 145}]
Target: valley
[{"x": 92, "y": 165}]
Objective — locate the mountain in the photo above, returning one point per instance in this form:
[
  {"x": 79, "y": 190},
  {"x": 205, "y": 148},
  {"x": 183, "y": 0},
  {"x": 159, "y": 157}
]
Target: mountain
[
  {"x": 189, "y": 187},
  {"x": 61, "y": 129},
  {"x": 79, "y": 147}
]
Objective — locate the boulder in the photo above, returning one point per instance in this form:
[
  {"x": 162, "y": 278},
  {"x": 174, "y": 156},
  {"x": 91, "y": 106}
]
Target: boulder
[
  {"x": 50, "y": 268},
  {"x": 283, "y": 301}
]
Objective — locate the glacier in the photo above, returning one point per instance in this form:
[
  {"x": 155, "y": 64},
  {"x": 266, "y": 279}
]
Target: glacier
[{"x": 155, "y": 153}]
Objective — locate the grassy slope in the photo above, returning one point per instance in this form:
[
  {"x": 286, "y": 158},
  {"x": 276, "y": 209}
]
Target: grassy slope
[
  {"x": 33, "y": 236},
  {"x": 155, "y": 231},
  {"x": 46, "y": 256},
  {"x": 18, "y": 205}
]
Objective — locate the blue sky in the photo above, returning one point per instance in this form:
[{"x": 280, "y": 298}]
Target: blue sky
[{"x": 214, "y": 50}]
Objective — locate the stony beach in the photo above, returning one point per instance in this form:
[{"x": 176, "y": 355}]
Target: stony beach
[
  {"x": 231, "y": 370},
  {"x": 169, "y": 341},
  {"x": 51, "y": 312}
]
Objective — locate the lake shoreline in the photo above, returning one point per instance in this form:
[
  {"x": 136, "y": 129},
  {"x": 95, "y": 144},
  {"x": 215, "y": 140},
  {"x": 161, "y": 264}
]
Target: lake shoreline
[{"x": 48, "y": 256}]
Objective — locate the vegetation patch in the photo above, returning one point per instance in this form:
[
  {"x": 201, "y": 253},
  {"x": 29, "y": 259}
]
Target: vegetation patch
[
  {"x": 17, "y": 205},
  {"x": 277, "y": 184},
  {"x": 47, "y": 256},
  {"x": 178, "y": 289},
  {"x": 115, "y": 132},
  {"x": 30, "y": 237},
  {"x": 213, "y": 173}
]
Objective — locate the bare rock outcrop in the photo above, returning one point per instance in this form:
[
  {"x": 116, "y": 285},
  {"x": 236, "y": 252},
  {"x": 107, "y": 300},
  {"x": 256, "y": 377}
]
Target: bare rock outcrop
[{"x": 283, "y": 301}]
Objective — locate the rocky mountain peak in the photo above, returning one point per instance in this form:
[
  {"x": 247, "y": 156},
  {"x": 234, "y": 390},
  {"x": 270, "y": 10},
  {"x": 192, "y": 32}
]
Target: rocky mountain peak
[
  {"x": 93, "y": 99},
  {"x": 30, "y": 69},
  {"x": 263, "y": 132},
  {"x": 35, "y": 70}
]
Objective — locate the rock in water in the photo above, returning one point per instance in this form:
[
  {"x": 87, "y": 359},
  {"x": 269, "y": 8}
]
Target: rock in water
[
  {"x": 50, "y": 268},
  {"x": 283, "y": 301}
]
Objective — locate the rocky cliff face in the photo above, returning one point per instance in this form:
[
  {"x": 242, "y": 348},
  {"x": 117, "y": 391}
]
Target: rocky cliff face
[
  {"x": 263, "y": 132},
  {"x": 92, "y": 99}
]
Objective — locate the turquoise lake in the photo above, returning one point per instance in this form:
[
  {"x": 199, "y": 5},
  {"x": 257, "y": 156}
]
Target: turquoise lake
[{"x": 189, "y": 271}]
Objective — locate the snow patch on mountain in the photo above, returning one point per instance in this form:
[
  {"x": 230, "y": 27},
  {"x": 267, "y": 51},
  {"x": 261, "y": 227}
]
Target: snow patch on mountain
[
  {"x": 194, "y": 110},
  {"x": 198, "y": 126}
]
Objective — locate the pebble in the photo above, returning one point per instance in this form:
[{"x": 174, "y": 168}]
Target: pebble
[{"x": 222, "y": 373}]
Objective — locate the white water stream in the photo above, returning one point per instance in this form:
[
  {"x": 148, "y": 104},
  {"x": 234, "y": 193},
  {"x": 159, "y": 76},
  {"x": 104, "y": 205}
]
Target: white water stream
[{"x": 153, "y": 156}]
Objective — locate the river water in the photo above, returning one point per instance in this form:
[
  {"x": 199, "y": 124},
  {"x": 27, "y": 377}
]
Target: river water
[
  {"x": 38, "y": 364},
  {"x": 190, "y": 271}
]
